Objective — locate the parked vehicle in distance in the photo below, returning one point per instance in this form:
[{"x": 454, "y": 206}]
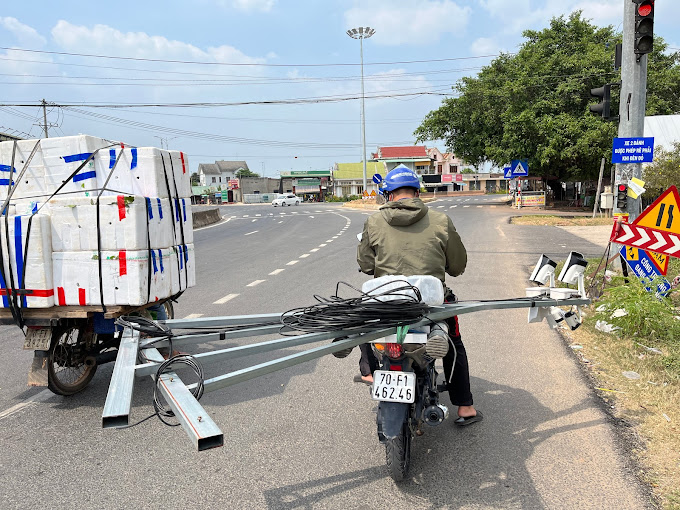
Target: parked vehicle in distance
[{"x": 286, "y": 199}]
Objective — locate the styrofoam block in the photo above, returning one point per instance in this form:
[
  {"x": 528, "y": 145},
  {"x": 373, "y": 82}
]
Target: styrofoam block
[
  {"x": 182, "y": 267},
  {"x": 124, "y": 222},
  {"x": 125, "y": 277},
  {"x": 182, "y": 174},
  {"x": 183, "y": 221},
  {"x": 34, "y": 261},
  {"x": 32, "y": 183},
  {"x": 139, "y": 171},
  {"x": 430, "y": 287},
  {"x": 62, "y": 156}
]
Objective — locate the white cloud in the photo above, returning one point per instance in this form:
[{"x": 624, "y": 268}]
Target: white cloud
[
  {"x": 484, "y": 46},
  {"x": 400, "y": 22},
  {"x": 25, "y": 35},
  {"x": 253, "y": 5},
  {"x": 607, "y": 12},
  {"x": 107, "y": 40}
]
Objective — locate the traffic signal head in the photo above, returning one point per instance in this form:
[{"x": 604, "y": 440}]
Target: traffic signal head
[
  {"x": 602, "y": 108},
  {"x": 644, "y": 27},
  {"x": 622, "y": 196}
]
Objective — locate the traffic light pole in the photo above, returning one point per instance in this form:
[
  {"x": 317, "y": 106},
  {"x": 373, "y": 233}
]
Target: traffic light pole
[{"x": 633, "y": 101}]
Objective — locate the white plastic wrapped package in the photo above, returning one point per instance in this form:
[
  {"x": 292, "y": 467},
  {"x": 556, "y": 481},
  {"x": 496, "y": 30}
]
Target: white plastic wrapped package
[
  {"x": 182, "y": 267},
  {"x": 183, "y": 221},
  {"x": 139, "y": 171},
  {"x": 125, "y": 277},
  {"x": 35, "y": 263},
  {"x": 182, "y": 175},
  {"x": 32, "y": 184},
  {"x": 431, "y": 288},
  {"x": 126, "y": 223}
]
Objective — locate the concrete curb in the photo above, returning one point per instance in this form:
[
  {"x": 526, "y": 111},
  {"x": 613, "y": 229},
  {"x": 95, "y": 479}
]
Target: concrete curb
[{"x": 206, "y": 217}]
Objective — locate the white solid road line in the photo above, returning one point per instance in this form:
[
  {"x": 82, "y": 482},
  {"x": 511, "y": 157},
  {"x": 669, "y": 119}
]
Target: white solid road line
[
  {"x": 314, "y": 250},
  {"x": 253, "y": 232},
  {"x": 292, "y": 262},
  {"x": 30, "y": 401},
  {"x": 304, "y": 256},
  {"x": 276, "y": 271},
  {"x": 226, "y": 298},
  {"x": 194, "y": 316},
  {"x": 256, "y": 282}
]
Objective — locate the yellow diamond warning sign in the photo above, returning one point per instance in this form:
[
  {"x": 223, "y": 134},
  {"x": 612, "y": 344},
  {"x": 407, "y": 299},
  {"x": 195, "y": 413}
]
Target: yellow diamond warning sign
[{"x": 663, "y": 214}]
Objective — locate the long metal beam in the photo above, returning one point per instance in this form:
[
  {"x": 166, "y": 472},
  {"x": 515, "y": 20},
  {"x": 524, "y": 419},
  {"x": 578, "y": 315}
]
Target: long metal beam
[
  {"x": 220, "y": 322},
  {"x": 119, "y": 398},
  {"x": 211, "y": 337},
  {"x": 195, "y": 421}
]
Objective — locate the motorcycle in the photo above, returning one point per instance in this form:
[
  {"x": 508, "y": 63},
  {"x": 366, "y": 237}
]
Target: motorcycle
[{"x": 405, "y": 387}]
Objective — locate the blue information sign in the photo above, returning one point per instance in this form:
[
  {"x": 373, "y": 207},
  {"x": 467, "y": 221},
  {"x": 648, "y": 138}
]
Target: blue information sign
[
  {"x": 520, "y": 168},
  {"x": 641, "y": 264},
  {"x": 377, "y": 178},
  {"x": 507, "y": 172},
  {"x": 633, "y": 150}
]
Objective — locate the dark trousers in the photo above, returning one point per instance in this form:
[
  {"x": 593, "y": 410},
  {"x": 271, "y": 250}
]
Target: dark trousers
[{"x": 456, "y": 369}]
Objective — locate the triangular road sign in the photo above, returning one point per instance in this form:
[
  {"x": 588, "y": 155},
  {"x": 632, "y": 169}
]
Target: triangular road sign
[{"x": 663, "y": 214}]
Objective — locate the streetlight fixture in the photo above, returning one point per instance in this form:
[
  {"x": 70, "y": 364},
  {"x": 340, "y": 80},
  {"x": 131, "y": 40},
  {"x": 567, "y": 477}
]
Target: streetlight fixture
[{"x": 362, "y": 33}]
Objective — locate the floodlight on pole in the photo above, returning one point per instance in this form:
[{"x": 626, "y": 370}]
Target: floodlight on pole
[{"x": 362, "y": 33}]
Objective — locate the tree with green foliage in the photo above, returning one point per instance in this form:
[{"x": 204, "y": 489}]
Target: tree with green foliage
[
  {"x": 245, "y": 172},
  {"x": 664, "y": 171},
  {"x": 195, "y": 179},
  {"x": 534, "y": 104}
]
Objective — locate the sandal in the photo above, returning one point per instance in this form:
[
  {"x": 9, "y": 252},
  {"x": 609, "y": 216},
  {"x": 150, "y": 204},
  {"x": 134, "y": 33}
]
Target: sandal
[{"x": 463, "y": 422}]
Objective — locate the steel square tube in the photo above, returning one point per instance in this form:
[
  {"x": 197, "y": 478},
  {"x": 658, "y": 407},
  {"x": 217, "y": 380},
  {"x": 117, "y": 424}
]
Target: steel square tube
[
  {"x": 210, "y": 337},
  {"x": 195, "y": 421},
  {"x": 119, "y": 397},
  {"x": 218, "y": 322}
]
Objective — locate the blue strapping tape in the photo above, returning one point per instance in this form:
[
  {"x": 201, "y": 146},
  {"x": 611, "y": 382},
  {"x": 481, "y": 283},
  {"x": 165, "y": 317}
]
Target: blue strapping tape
[
  {"x": 176, "y": 209},
  {"x": 181, "y": 259},
  {"x": 19, "y": 254},
  {"x": 112, "y": 157},
  {"x": 6, "y": 181},
  {"x": 184, "y": 209},
  {"x": 153, "y": 259},
  {"x": 160, "y": 259},
  {"x": 84, "y": 175},
  {"x": 7, "y": 168},
  {"x": 77, "y": 157},
  {"x": 133, "y": 164},
  {"x": 148, "y": 207},
  {"x": 160, "y": 208}
]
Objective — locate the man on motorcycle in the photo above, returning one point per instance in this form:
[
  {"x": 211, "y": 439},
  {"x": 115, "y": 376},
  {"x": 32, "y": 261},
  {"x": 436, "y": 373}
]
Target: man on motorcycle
[{"x": 407, "y": 238}]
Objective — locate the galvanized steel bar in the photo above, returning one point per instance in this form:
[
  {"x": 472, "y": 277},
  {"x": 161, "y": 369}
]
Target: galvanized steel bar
[
  {"x": 220, "y": 322},
  {"x": 118, "y": 399},
  {"x": 195, "y": 421}
]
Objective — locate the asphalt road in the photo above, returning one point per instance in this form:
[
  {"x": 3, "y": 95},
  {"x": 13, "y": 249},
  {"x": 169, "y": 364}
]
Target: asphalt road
[{"x": 305, "y": 437}]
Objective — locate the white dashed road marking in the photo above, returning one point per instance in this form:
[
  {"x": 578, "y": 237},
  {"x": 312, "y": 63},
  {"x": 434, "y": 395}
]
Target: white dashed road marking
[
  {"x": 304, "y": 256},
  {"x": 322, "y": 245},
  {"x": 466, "y": 206},
  {"x": 256, "y": 282},
  {"x": 253, "y": 232},
  {"x": 194, "y": 316},
  {"x": 276, "y": 271},
  {"x": 292, "y": 262},
  {"x": 226, "y": 298},
  {"x": 329, "y": 240},
  {"x": 314, "y": 250},
  {"x": 280, "y": 222}
]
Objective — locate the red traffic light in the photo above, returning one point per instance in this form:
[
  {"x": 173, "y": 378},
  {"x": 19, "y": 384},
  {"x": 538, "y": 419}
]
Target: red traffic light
[
  {"x": 645, "y": 8},
  {"x": 622, "y": 187}
]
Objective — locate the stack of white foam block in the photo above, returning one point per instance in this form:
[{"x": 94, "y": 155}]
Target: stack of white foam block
[{"x": 120, "y": 230}]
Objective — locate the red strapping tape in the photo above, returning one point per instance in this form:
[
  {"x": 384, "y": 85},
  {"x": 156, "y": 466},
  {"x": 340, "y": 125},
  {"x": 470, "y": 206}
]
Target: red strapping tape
[
  {"x": 30, "y": 292},
  {"x": 121, "y": 207},
  {"x": 61, "y": 297},
  {"x": 81, "y": 297},
  {"x": 122, "y": 262},
  {"x": 184, "y": 169}
]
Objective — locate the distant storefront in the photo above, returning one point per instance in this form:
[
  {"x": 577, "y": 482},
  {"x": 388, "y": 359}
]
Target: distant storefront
[{"x": 310, "y": 185}]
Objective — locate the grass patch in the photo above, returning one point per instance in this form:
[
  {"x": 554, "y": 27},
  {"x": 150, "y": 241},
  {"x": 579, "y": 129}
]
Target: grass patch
[
  {"x": 559, "y": 221},
  {"x": 648, "y": 344}
]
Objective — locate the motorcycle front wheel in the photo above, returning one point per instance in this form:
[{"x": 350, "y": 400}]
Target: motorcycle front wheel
[{"x": 398, "y": 454}]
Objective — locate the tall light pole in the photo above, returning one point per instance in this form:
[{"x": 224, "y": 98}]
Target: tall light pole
[{"x": 362, "y": 33}]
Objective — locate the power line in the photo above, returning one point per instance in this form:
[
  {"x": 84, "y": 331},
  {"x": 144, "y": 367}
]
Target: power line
[{"x": 250, "y": 64}]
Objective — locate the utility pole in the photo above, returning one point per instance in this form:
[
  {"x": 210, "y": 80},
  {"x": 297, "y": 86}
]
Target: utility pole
[
  {"x": 633, "y": 101},
  {"x": 44, "y": 106}
]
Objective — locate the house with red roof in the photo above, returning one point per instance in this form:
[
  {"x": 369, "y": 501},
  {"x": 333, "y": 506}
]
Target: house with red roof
[{"x": 414, "y": 157}]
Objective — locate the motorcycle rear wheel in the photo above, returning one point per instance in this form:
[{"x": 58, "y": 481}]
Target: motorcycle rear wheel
[{"x": 398, "y": 454}]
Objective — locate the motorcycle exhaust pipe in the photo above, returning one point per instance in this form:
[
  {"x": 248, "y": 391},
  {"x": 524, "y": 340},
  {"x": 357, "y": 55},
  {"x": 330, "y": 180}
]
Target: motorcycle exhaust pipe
[{"x": 434, "y": 415}]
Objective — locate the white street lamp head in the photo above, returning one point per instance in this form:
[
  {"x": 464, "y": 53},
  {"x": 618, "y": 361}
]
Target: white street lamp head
[{"x": 361, "y": 32}]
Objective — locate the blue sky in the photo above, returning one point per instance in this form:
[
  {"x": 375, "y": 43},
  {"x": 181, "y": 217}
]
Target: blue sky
[{"x": 285, "y": 50}]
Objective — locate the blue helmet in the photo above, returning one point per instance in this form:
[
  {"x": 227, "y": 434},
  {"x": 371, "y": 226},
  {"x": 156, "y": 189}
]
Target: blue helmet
[{"x": 401, "y": 177}]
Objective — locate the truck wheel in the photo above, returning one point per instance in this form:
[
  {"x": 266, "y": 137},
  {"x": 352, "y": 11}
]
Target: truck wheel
[
  {"x": 69, "y": 366},
  {"x": 398, "y": 454}
]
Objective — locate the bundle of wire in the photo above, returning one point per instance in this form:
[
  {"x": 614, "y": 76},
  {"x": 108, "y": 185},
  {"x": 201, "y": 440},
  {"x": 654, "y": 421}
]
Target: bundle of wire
[{"x": 380, "y": 308}]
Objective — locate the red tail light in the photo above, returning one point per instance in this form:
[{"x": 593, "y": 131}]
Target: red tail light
[{"x": 394, "y": 350}]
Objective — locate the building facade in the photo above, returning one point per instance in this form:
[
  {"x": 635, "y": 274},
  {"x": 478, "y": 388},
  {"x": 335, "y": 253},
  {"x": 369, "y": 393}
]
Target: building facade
[
  {"x": 310, "y": 185},
  {"x": 219, "y": 173},
  {"x": 348, "y": 178}
]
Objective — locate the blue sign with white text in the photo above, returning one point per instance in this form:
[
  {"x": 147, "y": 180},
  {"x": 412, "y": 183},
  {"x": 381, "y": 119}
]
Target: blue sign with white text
[
  {"x": 507, "y": 172},
  {"x": 633, "y": 150},
  {"x": 520, "y": 168},
  {"x": 641, "y": 264}
]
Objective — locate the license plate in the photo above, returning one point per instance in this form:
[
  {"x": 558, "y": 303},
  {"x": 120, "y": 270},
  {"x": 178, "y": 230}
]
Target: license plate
[
  {"x": 38, "y": 339},
  {"x": 394, "y": 386}
]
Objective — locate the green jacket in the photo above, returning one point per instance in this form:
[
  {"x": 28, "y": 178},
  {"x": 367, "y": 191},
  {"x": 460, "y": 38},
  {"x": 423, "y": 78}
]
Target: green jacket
[{"x": 406, "y": 238}]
